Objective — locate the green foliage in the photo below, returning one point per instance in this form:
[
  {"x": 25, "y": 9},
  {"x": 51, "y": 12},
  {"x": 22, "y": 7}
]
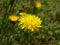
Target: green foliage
[{"x": 48, "y": 34}]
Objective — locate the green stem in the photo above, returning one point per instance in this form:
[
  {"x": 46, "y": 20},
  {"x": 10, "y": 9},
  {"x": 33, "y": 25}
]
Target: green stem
[
  {"x": 26, "y": 35},
  {"x": 34, "y": 10}
]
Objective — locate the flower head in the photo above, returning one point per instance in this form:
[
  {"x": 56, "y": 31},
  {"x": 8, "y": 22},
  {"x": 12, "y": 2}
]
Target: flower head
[
  {"x": 30, "y": 22},
  {"x": 36, "y": 4},
  {"x": 13, "y": 18}
]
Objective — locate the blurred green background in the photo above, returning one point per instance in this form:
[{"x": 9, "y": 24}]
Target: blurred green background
[{"x": 49, "y": 34}]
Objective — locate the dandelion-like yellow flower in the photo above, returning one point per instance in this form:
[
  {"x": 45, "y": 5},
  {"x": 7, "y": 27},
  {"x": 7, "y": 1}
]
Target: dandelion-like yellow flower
[
  {"x": 30, "y": 22},
  {"x": 36, "y": 4},
  {"x": 13, "y": 18}
]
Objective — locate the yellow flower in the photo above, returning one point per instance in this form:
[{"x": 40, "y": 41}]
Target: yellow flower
[
  {"x": 36, "y": 4},
  {"x": 13, "y": 18},
  {"x": 30, "y": 22}
]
